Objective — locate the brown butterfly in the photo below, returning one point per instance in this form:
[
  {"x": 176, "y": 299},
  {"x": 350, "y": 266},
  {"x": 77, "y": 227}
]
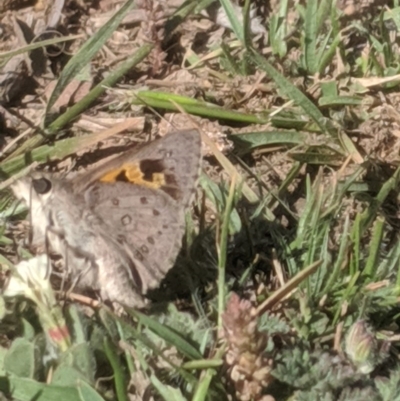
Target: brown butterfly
[{"x": 119, "y": 226}]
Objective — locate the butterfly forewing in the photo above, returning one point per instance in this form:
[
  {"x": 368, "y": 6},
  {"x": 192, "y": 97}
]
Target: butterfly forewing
[{"x": 170, "y": 164}]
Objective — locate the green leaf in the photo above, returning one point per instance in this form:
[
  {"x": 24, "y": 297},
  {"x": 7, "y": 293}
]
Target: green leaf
[
  {"x": 87, "y": 393},
  {"x": 66, "y": 376},
  {"x": 31, "y": 390},
  {"x": 20, "y": 358},
  {"x": 28, "y": 330},
  {"x": 76, "y": 363}
]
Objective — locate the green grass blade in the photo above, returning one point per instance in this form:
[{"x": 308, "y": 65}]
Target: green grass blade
[
  {"x": 334, "y": 101},
  {"x": 344, "y": 244},
  {"x": 203, "y": 387},
  {"x": 164, "y": 100},
  {"x": 278, "y": 29},
  {"x": 232, "y": 63},
  {"x": 390, "y": 264},
  {"x": 169, "y": 335},
  {"x": 59, "y": 150},
  {"x": 290, "y": 91},
  {"x": 37, "y": 45},
  {"x": 133, "y": 333},
  {"x": 310, "y": 39},
  {"x": 233, "y": 19},
  {"x": 183, "y": 11},
  {"x": 119, "y": 378},
  {"x": 87, "y": 100},
  {"x": 99, "y": 89},
  {"x": 356, "y": 238},
  {"x": 327, "y": 53},
  {"x": 222, "y": 252},
  {"x": 317, "y": 158},
  {"x": 167, "y": 392},
  {"x": 324, "y": 10},
  {"x": 86, "y": 53},
  {"x": 41, "y": 154},
  {"x": 398, "y": 270},
  {"x": 203, "y": 364},
  {"x": 253, "y": 140},
  {"x": 368, "y": 216},
  {"x": 246, "y": 24},
  {"x": 374, "y": 248}
]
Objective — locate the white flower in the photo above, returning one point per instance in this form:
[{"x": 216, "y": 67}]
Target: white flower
[{"x": 30, "y": 279}]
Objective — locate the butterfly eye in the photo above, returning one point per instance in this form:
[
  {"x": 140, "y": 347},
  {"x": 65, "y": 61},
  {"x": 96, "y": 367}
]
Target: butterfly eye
[{"x": 41, "y": 186}]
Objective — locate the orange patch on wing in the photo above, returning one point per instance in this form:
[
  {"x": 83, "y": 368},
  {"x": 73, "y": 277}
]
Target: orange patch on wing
[{"x": 133, "y": 174}]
